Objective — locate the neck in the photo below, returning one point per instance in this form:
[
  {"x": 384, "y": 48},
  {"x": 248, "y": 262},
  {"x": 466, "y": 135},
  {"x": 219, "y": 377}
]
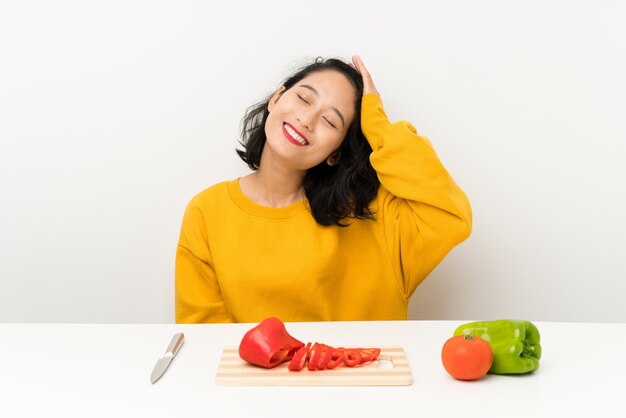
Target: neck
[{"x": 273, "y": 185}]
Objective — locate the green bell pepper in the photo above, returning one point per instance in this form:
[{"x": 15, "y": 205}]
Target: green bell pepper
[{"x": 515, "y": 344}]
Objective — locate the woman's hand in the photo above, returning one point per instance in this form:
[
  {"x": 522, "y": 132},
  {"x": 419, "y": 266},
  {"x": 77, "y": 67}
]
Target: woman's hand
[{"x": 368, "y": 83}]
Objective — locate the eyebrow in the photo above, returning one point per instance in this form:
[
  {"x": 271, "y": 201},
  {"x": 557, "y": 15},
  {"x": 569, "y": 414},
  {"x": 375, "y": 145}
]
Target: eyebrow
[{"x": 306, "y": 86}]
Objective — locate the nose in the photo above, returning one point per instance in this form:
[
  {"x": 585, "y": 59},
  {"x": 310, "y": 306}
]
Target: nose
[{"x": 305, "y": 120}]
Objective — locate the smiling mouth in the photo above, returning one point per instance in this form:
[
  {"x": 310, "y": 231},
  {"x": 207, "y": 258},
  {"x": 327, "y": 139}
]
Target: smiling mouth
[{"x": 293, "y": 136}]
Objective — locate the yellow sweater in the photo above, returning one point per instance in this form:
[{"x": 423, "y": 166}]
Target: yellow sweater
[{"x": 238, "y": 261}]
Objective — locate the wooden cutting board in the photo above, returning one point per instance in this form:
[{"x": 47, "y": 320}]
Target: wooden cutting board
[{"x": 392, "y": 369}]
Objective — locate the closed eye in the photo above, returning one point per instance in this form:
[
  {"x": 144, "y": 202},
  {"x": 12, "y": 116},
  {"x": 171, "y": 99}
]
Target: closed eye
[{"x": 327, "y": 121}]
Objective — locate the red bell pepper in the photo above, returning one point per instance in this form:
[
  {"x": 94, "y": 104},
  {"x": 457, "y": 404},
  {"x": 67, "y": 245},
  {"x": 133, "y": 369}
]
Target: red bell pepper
[
  {"x": 299, "y": 359},
  {"x": 369, "y": 354},
  {"x": 268, "y": 344},
  {"x": 352, "y": 357},
  {"x": 325, "y": 353},
  {"x": 336, "y": 358},
  {"x": 314, "y": 356}
]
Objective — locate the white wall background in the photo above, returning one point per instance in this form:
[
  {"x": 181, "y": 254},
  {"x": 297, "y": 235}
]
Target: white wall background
[{"x": 113, "y": 114}]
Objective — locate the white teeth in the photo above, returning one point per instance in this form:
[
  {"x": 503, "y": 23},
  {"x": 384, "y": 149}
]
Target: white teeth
[{"x": 295, "y": 135}]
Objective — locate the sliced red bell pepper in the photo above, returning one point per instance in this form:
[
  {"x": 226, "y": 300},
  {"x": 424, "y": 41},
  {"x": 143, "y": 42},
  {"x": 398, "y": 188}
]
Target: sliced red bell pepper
[
  {"x": 352, "y": 357},
  {"x": 299, "y": 359},
  {"x": 326, "y": 352},
  {"x": 314, "y": 356},
  {"x": 268, "y": 344},
  {"x": 369, "y": 354},
  {"x": 336, "y": 358}
]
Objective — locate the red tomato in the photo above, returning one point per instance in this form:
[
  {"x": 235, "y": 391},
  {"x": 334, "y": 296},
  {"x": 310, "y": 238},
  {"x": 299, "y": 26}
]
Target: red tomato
[{"x": 467, "y": 357}]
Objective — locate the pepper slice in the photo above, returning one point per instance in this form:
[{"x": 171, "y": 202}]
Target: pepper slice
[
  {"x": 369, "y": 354},
  {"x": 299, "y": 359},
  {"x": 352, "y": 357},
  {"x": 326, "y": 353},
  {"x": 314, "y": 356},
  {"x": 268, "y": 344},
  {"x": 515, "y": 344},
  {"x": 336, "y": 358}
]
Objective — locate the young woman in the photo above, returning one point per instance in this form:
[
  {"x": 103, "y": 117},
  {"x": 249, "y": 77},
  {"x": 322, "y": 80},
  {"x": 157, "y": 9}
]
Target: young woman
[{"x": 343, "y": 216}]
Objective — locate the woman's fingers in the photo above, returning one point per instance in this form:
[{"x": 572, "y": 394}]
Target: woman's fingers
[
  {"x": 368, "y": 82},
  {"x": 354, "y": 64},
  {"x": 358, "y": 62}
]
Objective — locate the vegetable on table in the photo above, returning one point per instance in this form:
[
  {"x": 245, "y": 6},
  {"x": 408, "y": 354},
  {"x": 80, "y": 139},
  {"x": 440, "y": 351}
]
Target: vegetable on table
[
  {"x": 352, "y": 357},
  {"x": 336, "y": 358},
  {"x": 269, "y": 344},
  {"x": 515, "y": 344},
  {"x": 299, "y": 359},
  {"x": 466, "y": 357},
  {"x": 324, "y": 357}
]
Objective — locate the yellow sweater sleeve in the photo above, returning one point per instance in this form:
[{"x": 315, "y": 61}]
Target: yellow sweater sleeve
[
  {"x": 422, "y": 212},
  {"x": 197, "y": 293}
]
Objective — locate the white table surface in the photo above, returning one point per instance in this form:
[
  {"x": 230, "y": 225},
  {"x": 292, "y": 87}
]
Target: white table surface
[{"x": 103, "y": 370}]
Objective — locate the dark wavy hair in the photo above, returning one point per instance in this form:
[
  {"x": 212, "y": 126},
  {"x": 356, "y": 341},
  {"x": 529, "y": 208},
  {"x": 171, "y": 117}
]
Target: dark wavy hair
[{"x": 334, "y": 192}]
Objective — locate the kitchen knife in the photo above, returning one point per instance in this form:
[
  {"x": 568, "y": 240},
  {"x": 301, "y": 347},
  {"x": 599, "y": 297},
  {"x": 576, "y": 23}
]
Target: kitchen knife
[{"x": 164, "y": 362}]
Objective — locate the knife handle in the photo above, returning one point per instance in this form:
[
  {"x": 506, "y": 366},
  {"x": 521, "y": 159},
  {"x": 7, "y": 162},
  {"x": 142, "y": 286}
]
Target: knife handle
[{"x": 176, "y": 343}]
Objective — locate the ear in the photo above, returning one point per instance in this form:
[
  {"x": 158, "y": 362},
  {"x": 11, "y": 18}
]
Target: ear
[
  {"x": 333, "y": 159},
  {"x": 275, "y": 98}
]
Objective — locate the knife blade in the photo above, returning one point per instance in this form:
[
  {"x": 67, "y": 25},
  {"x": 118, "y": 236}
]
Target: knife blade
[{"x": 164, "y": 362}]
